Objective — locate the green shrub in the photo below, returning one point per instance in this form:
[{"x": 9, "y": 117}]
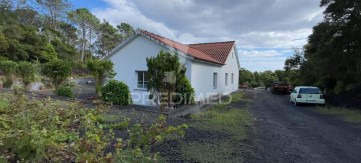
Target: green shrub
[
  {"x": 101, "y": 70},
  {"x": 8, "y": 68},
  {"x": 184, "y": 93},
  {"x": 69, "y": 83},
  {"x": 64, "y": 91},
  {"x": 57, "y": 70},
  {"x": 43, "y": 131},
  {"x": 27, "y": 72},
  {"x": 116, "y": 92}
]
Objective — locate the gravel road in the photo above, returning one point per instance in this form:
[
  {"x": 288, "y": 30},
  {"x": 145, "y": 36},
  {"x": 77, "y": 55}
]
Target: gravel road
[{"x": 286, "y": 133}]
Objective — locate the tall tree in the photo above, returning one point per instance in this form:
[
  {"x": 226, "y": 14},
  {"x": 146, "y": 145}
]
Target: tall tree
[
  {"x": 332, "y": 54},
  {"x": 108, "y": 39},
  {"x": 85, "y": 21},
  {"x": 125, "y": 30},
  {"x": 55, "y": 10}
]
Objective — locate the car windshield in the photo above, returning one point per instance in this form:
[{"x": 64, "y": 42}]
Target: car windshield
[{"x": 310, "y": 91}]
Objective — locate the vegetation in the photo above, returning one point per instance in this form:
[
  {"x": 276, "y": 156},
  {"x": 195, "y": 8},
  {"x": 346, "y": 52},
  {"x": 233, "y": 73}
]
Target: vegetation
[
  {"x": 40, "y": 31},
  {"x": 228, "y": 124},
  {"x": 101, "y": 70},
  {"x": 27, "y": 71},
  {"x": 117, "y": 93},
  {"x": 8, "y": 68},
  {"x": 349, "y": 115},
  {"x": 43, "y": 131},
  {"x": 165, "y": 73},
  {"x": 331, "y": 59},
  {"x": 64, "y": 91},
  {"x": 262, "y": 79},
  {"x": 184, "y": 93},
  {"x": 58, "y": 71}
]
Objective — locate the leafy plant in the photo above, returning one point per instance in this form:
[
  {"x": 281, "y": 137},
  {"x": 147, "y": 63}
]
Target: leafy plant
[
  {"x": 184, "y": 93},
  {"x": 116, "y": 92},
  {"x": 101, "y": 70},
  {"x": 26, "y": 71},
  {"x": 64, "y": 91},
  {"x": 57, "y": 70},
  {"x": 43, "y": 131},
  {"x": 144, "y": 138},
  {"x": 165, "y": 72},
  {"x": 8, "y": 68}
]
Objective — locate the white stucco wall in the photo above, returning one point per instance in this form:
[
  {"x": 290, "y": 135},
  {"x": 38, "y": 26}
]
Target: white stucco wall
[
  {"x": 132, "y": 58},
  {"x": 202, "y": 77}
]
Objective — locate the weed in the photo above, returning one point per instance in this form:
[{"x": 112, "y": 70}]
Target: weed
[{"x": 353, "y": 116}]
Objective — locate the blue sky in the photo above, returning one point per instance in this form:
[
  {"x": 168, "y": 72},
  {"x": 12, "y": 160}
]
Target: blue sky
[{"x": 265, "y": 30}]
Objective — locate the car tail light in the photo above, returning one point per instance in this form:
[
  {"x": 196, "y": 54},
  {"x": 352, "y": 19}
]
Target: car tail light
[
  {"x": 321, "y": 97},
  {"x": 299, "y": 95}
]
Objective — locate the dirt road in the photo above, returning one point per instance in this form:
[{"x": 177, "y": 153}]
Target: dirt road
[{"x": 286, "y": 133}]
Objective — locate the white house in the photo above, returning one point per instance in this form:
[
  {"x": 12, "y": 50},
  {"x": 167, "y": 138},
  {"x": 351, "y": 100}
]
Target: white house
[{"x": 212, "y": 68}]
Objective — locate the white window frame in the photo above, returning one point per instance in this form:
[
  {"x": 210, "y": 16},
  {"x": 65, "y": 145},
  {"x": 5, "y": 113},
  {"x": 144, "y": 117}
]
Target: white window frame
[
  {"x": 226, "y": 79},
  {"x": 232, "y": 77},
  {"x": 144, "y": 85},
  {"x": 215, "y": 76}
]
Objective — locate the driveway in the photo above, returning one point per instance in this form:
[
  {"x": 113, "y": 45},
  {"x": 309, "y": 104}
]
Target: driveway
[{"x": 286, "y": 133}]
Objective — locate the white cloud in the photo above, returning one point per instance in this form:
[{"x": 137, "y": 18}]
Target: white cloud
[
  {"x": 125, "y": 11},
  {"x": 258, "y": 53},
  {"x": 272, "y": 24}
]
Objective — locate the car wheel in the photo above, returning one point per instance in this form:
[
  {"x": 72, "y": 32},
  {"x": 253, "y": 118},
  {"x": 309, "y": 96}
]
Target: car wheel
[{"x": 296, "y": 104}]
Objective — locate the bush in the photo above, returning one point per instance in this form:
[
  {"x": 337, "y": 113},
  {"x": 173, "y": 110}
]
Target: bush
[
  {"x": 8, "y": 68},
  {"x": 64, "y": 91},
  {"x": 101, "y": 70},
  {"x": 27, "y": 72},
  {"x": 184, "y": 93},
  {"x": 58, "y": 71},
  {"x": 116, "y": 92},
  {"x": 43, "y": 131}
]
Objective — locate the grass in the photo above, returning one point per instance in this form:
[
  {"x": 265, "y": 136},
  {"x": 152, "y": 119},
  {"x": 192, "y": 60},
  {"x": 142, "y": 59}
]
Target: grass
[
  {"x": 3, "y": 104},
  {"x": 220, "y": 151},
  {"x": 225, "y": 119},
  {"x": 222, "y": 119},
  {"x": 353, "y": 116}
]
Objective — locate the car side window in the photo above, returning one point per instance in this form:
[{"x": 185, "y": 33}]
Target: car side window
[{"x": 294, "y": 91}]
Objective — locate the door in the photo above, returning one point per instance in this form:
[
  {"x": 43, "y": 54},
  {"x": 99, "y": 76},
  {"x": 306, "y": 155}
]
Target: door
[{"x": 293, "y": 94}]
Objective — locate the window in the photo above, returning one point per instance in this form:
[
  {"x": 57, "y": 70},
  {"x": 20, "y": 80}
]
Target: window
[
  {"x": 310, "y": 91},
  {"x": 214, "y": 80},
  {"x": 226, "y": 79},
  {"x": 143, "y": 79},
  {"x": 232, "y": 77}
]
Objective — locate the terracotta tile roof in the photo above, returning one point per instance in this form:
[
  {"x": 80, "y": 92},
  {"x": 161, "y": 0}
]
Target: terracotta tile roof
[
  {"x": 204, "y": 52},
  {"x": 217, "y": 50}
]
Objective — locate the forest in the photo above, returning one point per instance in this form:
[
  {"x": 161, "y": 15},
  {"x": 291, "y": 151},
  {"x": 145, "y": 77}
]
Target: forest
[{"x": 42, "y": 30}]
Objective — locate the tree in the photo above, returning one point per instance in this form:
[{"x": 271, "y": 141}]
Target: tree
[
  {"x": 332, "y": 52},
  {"x": 125, "y": 30},
  {"x": 268, "y": 77},
  {"x": 8, "y": 68},
  {"x": 26, "y": 71},
  {"x": 86, "y": 21},
  {"x": 55, "y": 9},
  {"x": 245, "y": 76},
  {"x": 58, "y": 71},
  {"x": 108, "y": 39},
  {"x": 165, "y": 72},
  {"x": 101, "y": 70}
]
